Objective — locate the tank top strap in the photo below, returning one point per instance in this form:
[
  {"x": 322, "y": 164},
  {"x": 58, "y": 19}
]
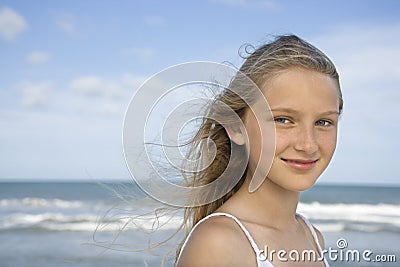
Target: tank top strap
[
  {"x": 312, "y": 230},
  {"x": 246, "y": 232},
  {"x": 250, "y": 238},
  {"x": 314, "y": 234}
]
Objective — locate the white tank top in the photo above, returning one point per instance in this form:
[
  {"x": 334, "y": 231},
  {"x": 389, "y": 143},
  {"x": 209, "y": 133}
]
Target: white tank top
[{"x": 260, "y": 262}]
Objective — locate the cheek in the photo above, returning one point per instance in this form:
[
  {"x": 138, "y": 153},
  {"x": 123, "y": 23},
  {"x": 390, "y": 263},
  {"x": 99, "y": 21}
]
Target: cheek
[
  {"x": 327, "y": 142},
  {"x": 282, "y": 141}
]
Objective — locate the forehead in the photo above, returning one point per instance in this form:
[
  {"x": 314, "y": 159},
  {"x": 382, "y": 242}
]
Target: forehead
[{"x": 302, "y": 89}]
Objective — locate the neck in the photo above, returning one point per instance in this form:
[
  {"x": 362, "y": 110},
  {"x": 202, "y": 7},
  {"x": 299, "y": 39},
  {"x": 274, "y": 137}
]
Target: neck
[{"x": 269, "y": 203}]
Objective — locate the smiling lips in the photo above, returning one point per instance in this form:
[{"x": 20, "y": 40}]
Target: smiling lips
[{"x": 300, "y": 164}]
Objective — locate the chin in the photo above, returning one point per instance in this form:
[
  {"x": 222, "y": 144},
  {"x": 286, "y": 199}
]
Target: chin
[
  {"x": 304, "y": 187},
  {"x": 302, "y": 184}
]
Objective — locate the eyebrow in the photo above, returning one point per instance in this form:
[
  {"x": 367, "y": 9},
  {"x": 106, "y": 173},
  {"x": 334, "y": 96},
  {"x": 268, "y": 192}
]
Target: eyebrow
[{"x": 292, "y": 111}]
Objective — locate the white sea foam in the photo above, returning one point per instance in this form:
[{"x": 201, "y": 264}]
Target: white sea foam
[
  {"x": 330, "y": 227},
  {"x": 84, "y": 222},
  {"x": 39, "y": 202},
  {"x": 359, "y": 213},
  {"x": 62, "y": 215}
]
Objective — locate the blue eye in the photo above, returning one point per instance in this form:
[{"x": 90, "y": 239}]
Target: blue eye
[
  {"x": 282, "y": 120},
  {"x": 323, "y": 123}
]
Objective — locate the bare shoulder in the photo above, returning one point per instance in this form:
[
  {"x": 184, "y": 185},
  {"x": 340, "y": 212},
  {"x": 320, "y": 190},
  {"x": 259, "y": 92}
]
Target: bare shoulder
[
  {"x": 320, "y": 237},
  {"x": 219, "y": 242}
]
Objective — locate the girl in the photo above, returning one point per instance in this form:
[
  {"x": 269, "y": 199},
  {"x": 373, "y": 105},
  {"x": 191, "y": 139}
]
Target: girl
[{"x": 261, "y": 227}]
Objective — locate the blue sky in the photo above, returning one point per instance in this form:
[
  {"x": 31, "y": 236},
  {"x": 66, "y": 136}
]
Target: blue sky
[{"x": 69, "y": 69}]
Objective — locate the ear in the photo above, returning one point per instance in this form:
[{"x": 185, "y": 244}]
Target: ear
[{"x": 235, "y": 134}]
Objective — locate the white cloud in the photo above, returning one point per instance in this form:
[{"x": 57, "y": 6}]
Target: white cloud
[
  {"x": 36, "y": 95},
  {"x": 109, "y": 108},
  {"x": 133, "y": 81},
  {"x": 96, "y": 95},
  {"x": 154, "y": 20},
  {"x": 11, "y": 24},
  {"x": 115, "y": 90},
  {"x": 37, "y": 57},
  {"x": 96, "y": 86},
  {"x": 142, "y": 54},
  {"x": 366, "y": 55},
  {"x": 82, "y": 128},
  {"x": 88, "y": 85},
  {"x": 240, "y": 3},
  {"x": 248, "y": 3},
  {"x": 66, "y": 23}
]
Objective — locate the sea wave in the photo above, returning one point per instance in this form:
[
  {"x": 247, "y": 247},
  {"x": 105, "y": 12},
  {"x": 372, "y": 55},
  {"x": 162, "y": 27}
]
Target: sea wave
[
  {"x": 360, "y": 213},
  {"x": 66, "y": 215},
  {"x": 39, "y": 202},
  {"x": 84, "y": 222}
]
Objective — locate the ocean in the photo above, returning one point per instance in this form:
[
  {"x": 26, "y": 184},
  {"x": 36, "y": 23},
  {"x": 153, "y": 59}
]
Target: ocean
[{"x": 90, "y": 224}]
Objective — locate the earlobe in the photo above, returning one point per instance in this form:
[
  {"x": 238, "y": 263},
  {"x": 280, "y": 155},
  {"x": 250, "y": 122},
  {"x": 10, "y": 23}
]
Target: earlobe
[{"x": 236, "y": 135}]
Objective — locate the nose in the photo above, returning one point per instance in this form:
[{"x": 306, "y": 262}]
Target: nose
[{"x": 306, "y": 140}]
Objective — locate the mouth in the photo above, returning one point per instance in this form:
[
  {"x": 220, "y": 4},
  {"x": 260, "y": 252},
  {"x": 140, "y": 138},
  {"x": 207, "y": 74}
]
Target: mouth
[{"x": 300, "y": 164}]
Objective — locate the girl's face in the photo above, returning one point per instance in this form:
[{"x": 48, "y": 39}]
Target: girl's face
[{"x": 305, "y": 110}]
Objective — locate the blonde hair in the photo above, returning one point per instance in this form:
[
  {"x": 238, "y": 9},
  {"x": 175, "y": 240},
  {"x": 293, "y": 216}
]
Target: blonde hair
[{"x": 268, "y": 60}]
